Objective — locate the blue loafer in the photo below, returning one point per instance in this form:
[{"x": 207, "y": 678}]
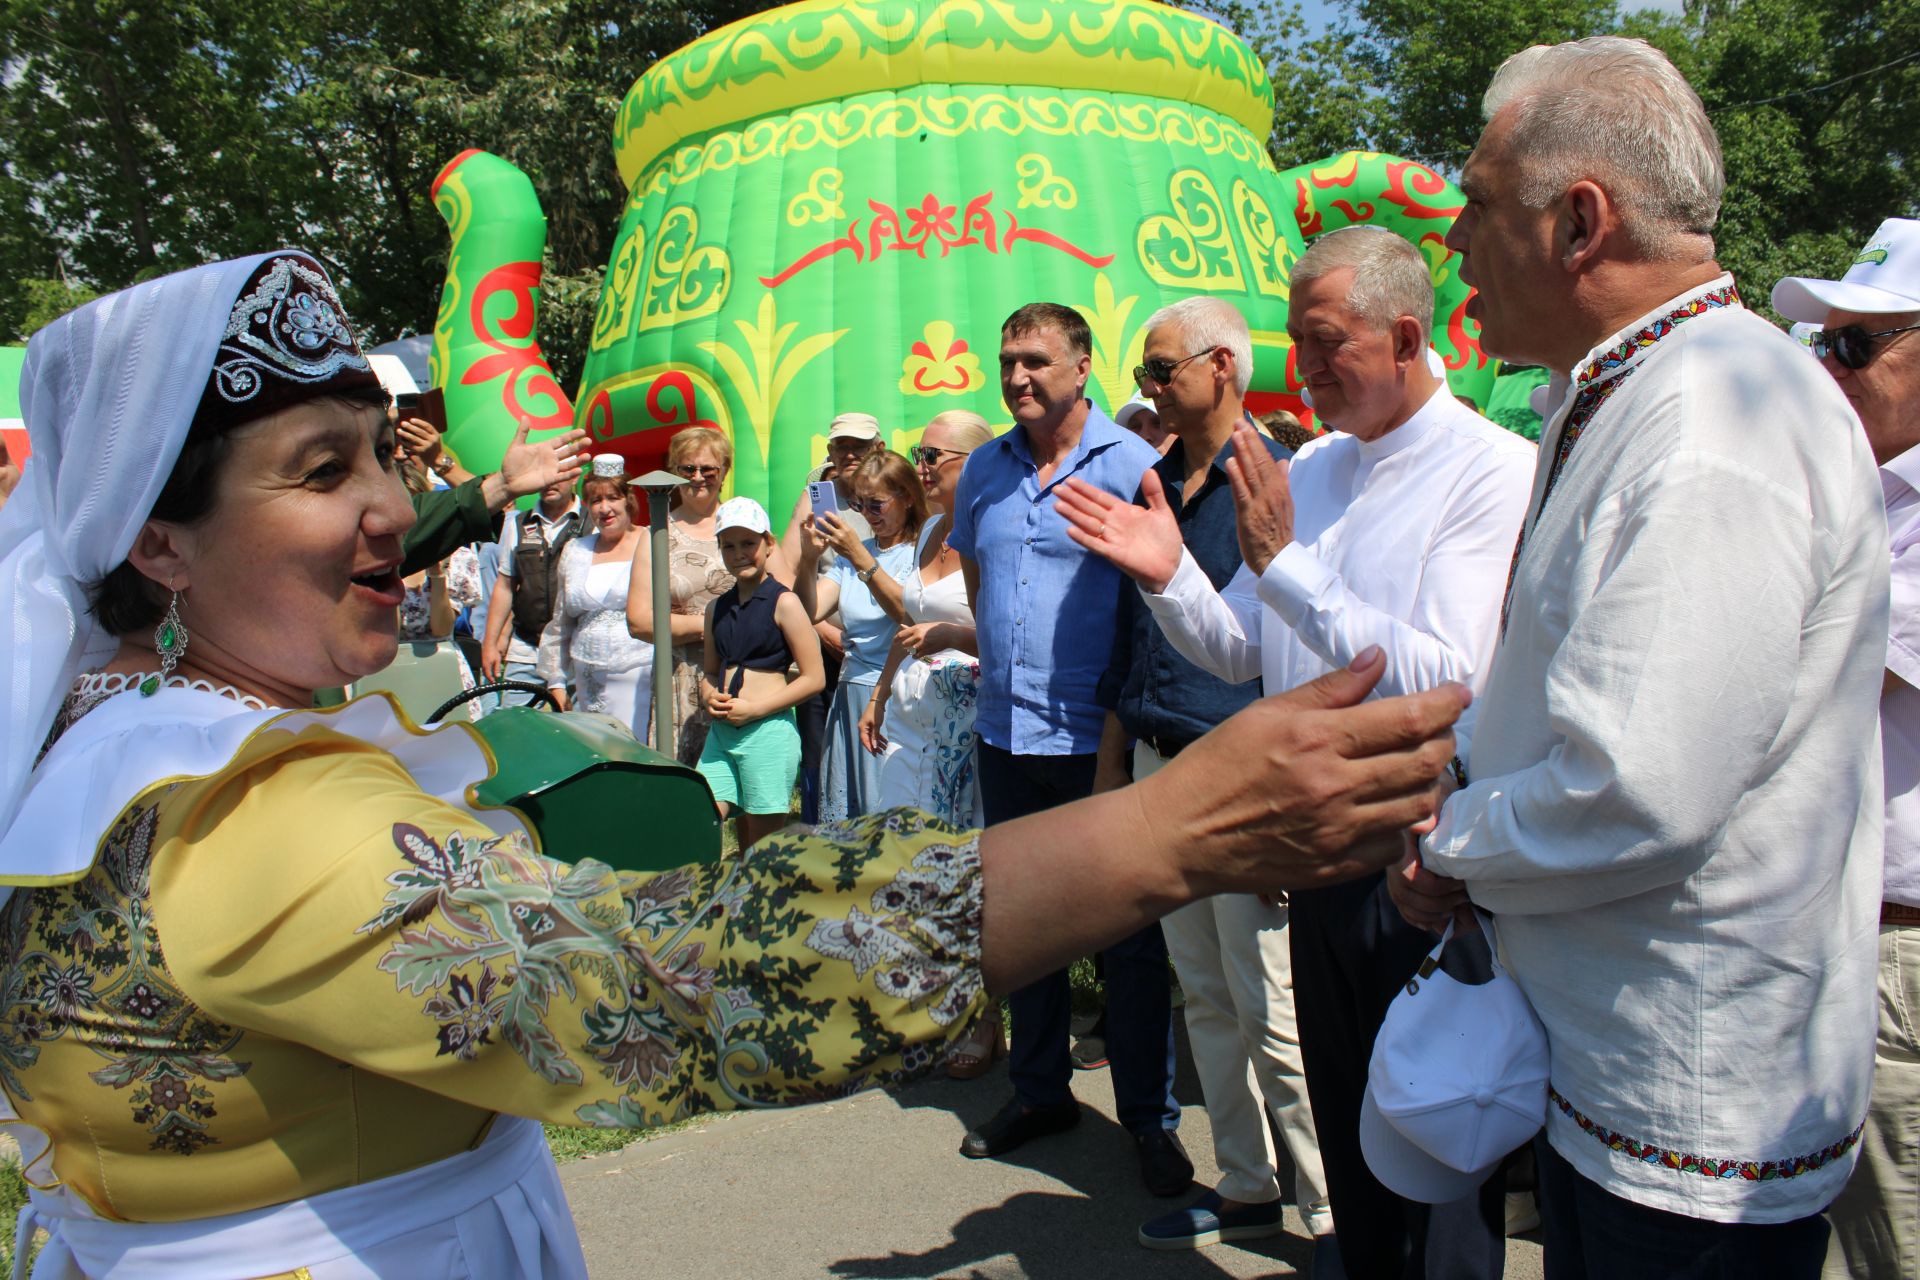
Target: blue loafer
[{"x": 1203, "y": 1223}]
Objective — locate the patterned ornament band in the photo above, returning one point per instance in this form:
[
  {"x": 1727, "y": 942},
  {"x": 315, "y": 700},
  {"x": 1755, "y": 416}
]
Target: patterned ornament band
[{"x": 287, "y": 340}]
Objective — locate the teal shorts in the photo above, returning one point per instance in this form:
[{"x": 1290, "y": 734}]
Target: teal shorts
[{"x": 751, "y": 767}]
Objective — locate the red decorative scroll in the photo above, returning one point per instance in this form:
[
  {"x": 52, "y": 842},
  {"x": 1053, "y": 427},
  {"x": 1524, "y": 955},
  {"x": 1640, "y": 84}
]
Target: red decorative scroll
[
  {"x": 932, "y": 223},
  {"x": 516, "y": 356}
]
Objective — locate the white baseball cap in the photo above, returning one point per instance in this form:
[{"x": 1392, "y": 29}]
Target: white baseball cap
[
  {"x": 1458, "y": 1080},
  {"x": 1884, "y": 278},
  {"x": 855, "y": 426},
  {"x": 742, "y": 513},
  {"x": 1125, "y": 412}
]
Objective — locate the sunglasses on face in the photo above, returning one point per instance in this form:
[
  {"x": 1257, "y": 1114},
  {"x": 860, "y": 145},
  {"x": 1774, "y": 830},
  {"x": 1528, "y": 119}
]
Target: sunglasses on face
[
  {"x": 1158, "y": 370},
  {"x": 698, "y": 473},
  {"x": 870, "y": 506},
  {"x": 926, "y": 455},
  {"x": 1851, "y": 346}
]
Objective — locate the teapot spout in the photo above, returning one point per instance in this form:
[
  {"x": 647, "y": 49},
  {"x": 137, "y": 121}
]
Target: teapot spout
[{"x": 486, "y": 349}]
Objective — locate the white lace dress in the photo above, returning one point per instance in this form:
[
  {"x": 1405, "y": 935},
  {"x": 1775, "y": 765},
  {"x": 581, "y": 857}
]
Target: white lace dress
[{"x": 586, "y": 642}]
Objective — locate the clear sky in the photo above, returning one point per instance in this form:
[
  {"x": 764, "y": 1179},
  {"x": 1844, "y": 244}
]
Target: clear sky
[{"x": 1321, "y": 13}]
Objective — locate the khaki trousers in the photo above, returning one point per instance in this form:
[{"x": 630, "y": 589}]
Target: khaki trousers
[
  {"x": 1236, "y": 966},
  {"x": 1876, "y": 1220}
]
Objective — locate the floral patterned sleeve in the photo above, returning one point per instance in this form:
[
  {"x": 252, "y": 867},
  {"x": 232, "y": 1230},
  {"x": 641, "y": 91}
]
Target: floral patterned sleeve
[
  {"x": 321, "y": 897},
  {"x": 463, "y": 578}
]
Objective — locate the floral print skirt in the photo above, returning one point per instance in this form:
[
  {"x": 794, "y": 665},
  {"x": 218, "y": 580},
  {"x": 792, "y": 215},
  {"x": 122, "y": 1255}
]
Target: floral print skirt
[{"x": 928, "y": 762}]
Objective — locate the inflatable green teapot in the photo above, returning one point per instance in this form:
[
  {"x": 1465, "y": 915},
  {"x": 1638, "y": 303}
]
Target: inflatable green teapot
[{"x": 833, "y": 205}]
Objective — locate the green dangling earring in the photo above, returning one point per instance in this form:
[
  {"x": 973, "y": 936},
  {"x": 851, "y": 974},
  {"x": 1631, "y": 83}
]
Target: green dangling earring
[{"x": 170, "y": 642}]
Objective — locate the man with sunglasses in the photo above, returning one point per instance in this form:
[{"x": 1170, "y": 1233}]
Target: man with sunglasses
[
  {"x": 1871, "y": 346},
  {"x": 1231, "y": 953}
]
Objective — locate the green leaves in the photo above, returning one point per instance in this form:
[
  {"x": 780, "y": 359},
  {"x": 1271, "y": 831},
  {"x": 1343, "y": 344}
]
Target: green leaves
[
  {"x": 138, "y": 138},
  {"x": 1816, "y": 128}
]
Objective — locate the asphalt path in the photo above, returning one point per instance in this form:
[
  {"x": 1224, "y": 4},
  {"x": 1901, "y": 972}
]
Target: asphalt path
[{"x": 874, "y": 1188}]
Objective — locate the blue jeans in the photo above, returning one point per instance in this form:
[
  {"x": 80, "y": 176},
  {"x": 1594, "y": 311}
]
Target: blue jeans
[
  {"x": 511, "y": 671},
  {"x": 1592, "y": 1234},
  {"x": 1139, "y": 1009}
]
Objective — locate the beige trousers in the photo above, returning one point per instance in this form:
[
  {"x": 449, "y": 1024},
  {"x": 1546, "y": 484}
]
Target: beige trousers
[
  {"x": 1235, "y": 963},
  {"x": 1876, "y": 1220}
]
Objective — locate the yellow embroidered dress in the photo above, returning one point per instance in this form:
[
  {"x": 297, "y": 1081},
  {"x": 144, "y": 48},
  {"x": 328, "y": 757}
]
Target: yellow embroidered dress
[{"x": 317, "y": 966}]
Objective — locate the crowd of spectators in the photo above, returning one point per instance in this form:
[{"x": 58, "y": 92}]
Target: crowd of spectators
[{"x": 1692, "y": 737}]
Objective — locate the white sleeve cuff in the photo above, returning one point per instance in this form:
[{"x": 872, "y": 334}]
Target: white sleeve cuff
[
  {"x": 1188, "y": 581},
  {"x": 1293, "y": 580},
  {"x": 1903, "y": 662}
]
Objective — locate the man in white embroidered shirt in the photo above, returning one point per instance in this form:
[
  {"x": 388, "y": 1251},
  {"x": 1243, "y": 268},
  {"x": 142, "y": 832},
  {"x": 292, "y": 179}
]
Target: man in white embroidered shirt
[
  {"x": 1871, "y": 346},
  {"x": 1396, "y": 531},
  {"x": 1673, "y": 804}
]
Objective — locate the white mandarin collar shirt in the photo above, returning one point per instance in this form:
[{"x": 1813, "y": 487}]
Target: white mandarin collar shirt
[
  {"x": 1900, "y": 708},
  {"x": 1675, "y": 805},
  {"x": 1402, "y": 542}
]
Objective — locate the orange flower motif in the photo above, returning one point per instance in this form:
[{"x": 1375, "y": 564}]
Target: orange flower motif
[{"x": 940, "y": 364}]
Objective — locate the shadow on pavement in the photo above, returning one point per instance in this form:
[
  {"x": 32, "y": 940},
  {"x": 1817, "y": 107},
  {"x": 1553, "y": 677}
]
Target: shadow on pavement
[{"x": 1084, "y": 1230}]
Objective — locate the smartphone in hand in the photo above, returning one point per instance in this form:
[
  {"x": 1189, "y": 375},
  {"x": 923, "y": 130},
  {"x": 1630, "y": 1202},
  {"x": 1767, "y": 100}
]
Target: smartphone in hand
[
  {"x": 823, "y": 496},
  {"x": 433, "y": 408}
]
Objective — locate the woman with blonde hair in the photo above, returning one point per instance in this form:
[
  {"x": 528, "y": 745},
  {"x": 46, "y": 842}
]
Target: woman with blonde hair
[
  {"x": 866, "y": 584},
  {"x": 919, "y": 719},
  {"x": 702, "y": 456},
  {"x": 586, "y": 647}
]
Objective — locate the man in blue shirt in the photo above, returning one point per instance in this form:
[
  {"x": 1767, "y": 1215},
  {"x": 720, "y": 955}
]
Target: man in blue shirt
[
  {"x": 1231, "y": 952},
  {"x": 1045, "y": 611}
]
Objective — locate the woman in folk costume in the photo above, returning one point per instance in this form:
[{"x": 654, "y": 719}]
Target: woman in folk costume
[{"x": 276, "y": 997}]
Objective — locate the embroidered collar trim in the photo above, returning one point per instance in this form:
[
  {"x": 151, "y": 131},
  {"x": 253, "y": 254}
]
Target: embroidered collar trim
[
  {"x": 107, "y": 684},
  {"x": 1642, "y": 336}
]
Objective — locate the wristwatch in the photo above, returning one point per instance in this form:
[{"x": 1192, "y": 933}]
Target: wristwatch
[
  {"x": 442, "y": 464},
  {"x": 866, "y": 575}
]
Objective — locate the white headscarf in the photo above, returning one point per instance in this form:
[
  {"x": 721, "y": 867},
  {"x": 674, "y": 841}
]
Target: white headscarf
[{"x": 108, "y": 393}]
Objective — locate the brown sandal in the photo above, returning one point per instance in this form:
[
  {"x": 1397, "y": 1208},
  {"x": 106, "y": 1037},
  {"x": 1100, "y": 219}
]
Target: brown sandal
[{"x": 974, "y": 1053}]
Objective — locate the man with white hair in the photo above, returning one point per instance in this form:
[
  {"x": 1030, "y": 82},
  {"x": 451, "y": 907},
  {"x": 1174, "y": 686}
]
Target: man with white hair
[
  {"x": 1674, "y": 799},
  {"x": 1394, "y": 530},
  {"x": 1231, "y": 953},
  {"x": 1870, "y": 343}
]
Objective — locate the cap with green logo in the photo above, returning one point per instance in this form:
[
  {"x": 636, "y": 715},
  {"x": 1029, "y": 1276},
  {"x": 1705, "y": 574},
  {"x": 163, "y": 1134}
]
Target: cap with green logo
[{"x": 1883, "y": 280}]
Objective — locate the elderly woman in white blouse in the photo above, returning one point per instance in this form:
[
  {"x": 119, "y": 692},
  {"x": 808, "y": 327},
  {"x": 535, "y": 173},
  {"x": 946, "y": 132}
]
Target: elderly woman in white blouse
[{"x": 586, "y": 645}]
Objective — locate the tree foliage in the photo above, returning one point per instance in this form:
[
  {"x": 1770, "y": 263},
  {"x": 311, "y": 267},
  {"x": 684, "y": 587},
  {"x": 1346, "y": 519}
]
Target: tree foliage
[
  {"x": 138, "y": 136},
  {"x": 1817, "y": 102}
]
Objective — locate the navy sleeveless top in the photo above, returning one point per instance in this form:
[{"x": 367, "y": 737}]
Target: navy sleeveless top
[{"x": 745, "y": 633}]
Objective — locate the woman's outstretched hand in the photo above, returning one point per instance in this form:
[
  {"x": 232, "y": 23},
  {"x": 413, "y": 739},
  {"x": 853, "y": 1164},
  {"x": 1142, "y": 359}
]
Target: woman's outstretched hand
[
  {"x": 1303, "y": 789},
  {"x": 1310, "y": 787}
]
